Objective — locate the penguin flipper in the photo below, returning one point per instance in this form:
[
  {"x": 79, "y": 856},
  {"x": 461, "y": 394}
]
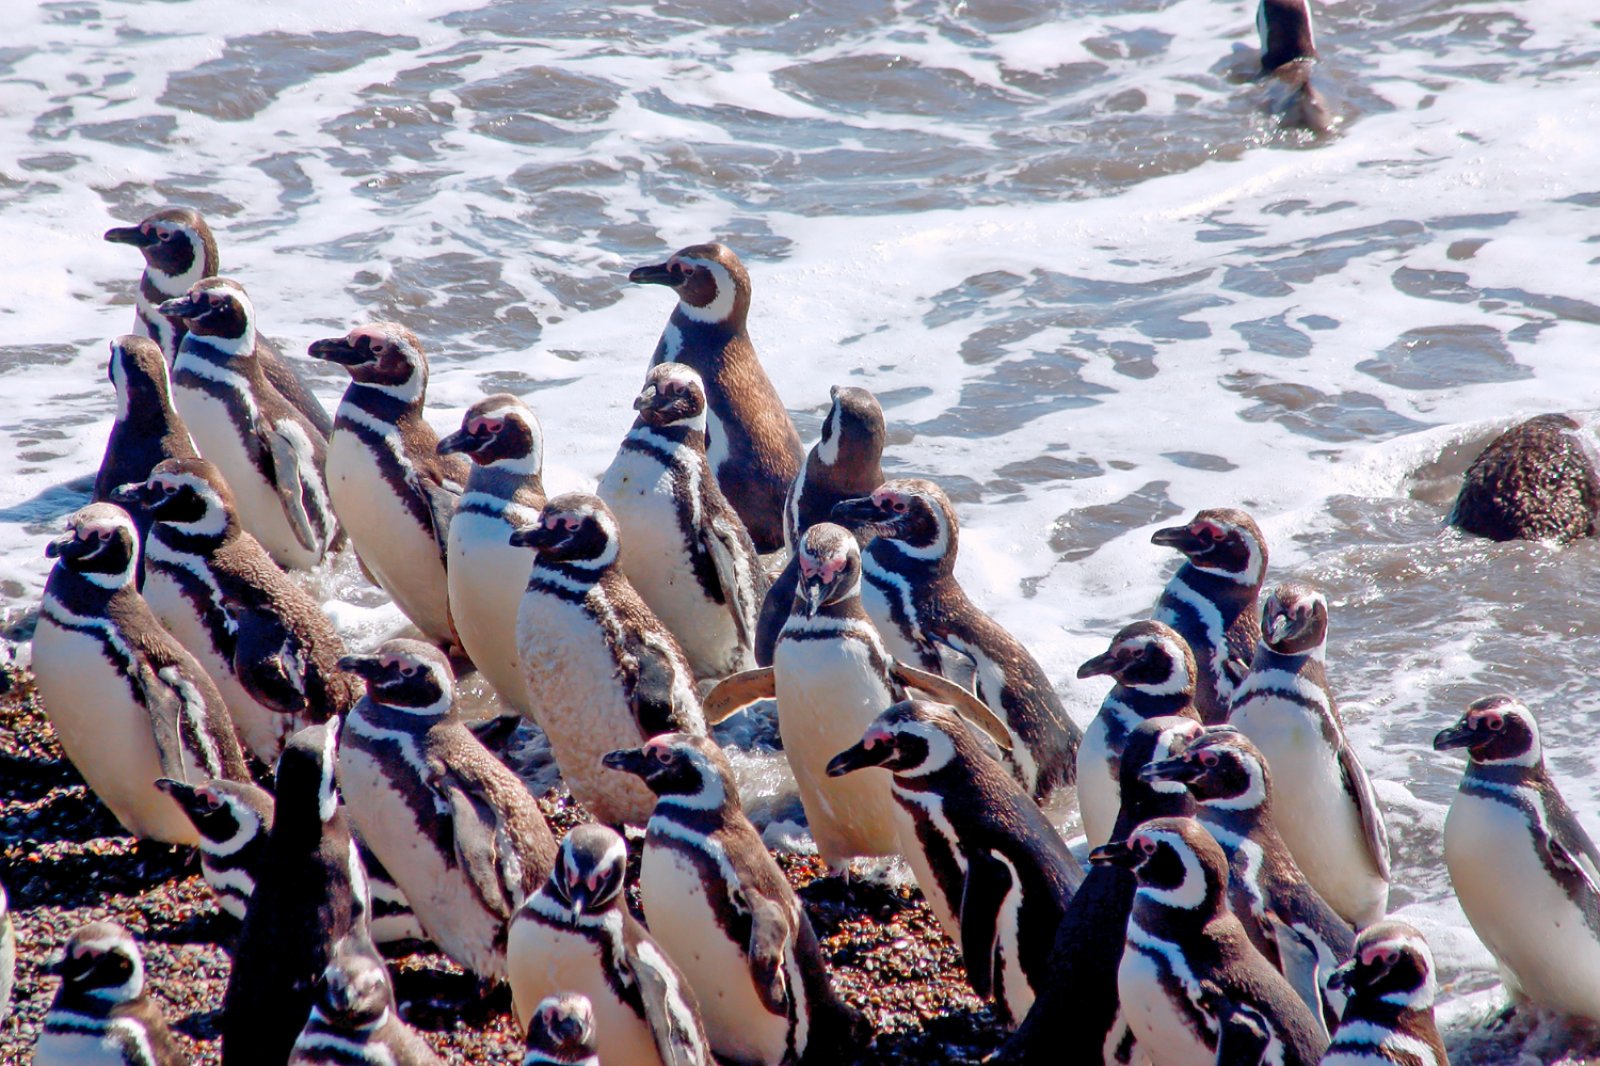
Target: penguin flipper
[
  {"x": 1298, "y": 959},
  {"x": 985, "y": 889},
  {"x": 165, "y": 705},
  {"x": 652, "y": 693},
  {"x": 738, "y": 691},
  {"x": 476, "y": 832},
  {"x": 744, "y": 583},
  {"x": 268, "y": 659},
  {"x": 669, "y": 1009},
  {"x": 287, "y": 479},
  {"x": 943, "y": 690},
  {"x": 768, "y": 949},
  {"x": 440, "y": 498},
  {"x": 1359, "y": 788}
]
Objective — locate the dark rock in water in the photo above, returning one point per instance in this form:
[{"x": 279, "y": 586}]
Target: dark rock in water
[{"x": 1536, "y": 481}]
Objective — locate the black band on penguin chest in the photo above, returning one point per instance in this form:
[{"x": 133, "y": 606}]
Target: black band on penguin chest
[
  {"x": 732, "y": 914},
  {"x": 233, "y": 394},
  {"x": 705, "y": 567},
  {"x": 387, "y": 411},
  {"x": 403, "y": 776},
  {"x": 194, "y": 589}
]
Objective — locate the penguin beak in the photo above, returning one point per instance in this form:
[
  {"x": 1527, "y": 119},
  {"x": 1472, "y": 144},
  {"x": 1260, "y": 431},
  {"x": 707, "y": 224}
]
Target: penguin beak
[
  {"x": 1460, "y": 735},
  {"x": 1179, "y": 537},
  {"x": 183, "y": 307},
  {"x": 633, "y": 761},
  {"x": 539, "y": 537},
  {"x": 859, "y": 757},
  {"x": 133, "y": 235},
  {"x": 370, "y": 668},
  {"x": 1102, "y": 665},
  {"x": 1340, "y": 979},
  {"x": 810, "y": 594},
  {"x": 338, "y": 350},
  {"x": 1180, "y": 770},
  {"x": 68, "y": 546},
  {"x": 647, "y": 398},
  {"x": 1115, "y": 854},
  {"x": 655, "y": 274},
  {"x": 858, "y": 513},
  {"x": 460, "y": 442},
  {"x": 1278, "y": 627},
  {"x": 135, "y": 494}
]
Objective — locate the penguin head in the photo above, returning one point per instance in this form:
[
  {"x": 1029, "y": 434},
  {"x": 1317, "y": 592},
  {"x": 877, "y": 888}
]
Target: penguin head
[
  {"x": 563, "y": 1024},
  {"x": 913, "y": 737},
  {"x": 1149, "y": 656},
  {"x": 407, "y": 675},
  {"x": 576, "y": 529},
  {"x": 227, "y": 814},
  {"x": 499, "y": 431},
  {"x": 1221, "y": 769},
  {"x": 303, "y": 782},
  {"x": 1177, "y": 863},
  {"x": 673, "y": 395},
  {"x": 138, "y": 371},
  {"x": 383, "y": 355},
  {"x": 1496, "y": 731},
  {"x": 853, "y": 431},
  {"x": 1294, "y": 619},
  {"x": 216, "y": 307},
  {"x": 830, "y": 568},
  {"x": 712, "y": 285},
  {"x": 690, "y": 770},
  {"x": 914, "y": 513},
  {"x": 590, "y": 869},
  {"x": 101, "y": 961},
  {"x": 354, "y": 992},
  {"x": 1155, "y": 740},
  {"x": 174, "y": 241},
  {"x": 100, "y": 544},
  {"x": 189, "y": 494},
  {"x": 1221, "y": 541},
  {"x": 1392, "y": 964},
  {"x": 1284, "y": 27}
]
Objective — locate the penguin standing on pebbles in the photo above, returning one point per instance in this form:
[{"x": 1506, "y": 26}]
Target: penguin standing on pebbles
[
  {"x": 683, "y": 546},
  {"x": 147, "y": 428},
  {"x": 1390, "y": 987},
  {"x": 561, "y": 1033},
  {"x": 1535, "y": 481},
  {"x": 353, "y": 1018},
  {"x": 127, "y": 703},
  {"x": 101, "y": 1015},
  {"x": 750, "y": 442}
]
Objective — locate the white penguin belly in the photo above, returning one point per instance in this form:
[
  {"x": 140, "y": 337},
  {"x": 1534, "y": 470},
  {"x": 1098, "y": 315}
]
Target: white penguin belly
[
  {"x": 1522, "y": 915},
  {"x": 446, "y": 906},
  {"x": 1099, "y": 792},
  {"x": 486, "y": 578},
  {"x": 105, "y": 732},
  {"x": 738, "y": 1024},
  {"x": 401, "y": 554},
  {"x": 1163, "y": 1032},
  {"x": 828, "y": 693},
  {"x": 86, "y": 1049},
  {"x": 543, "y": 961},
  {"x": 572, "y": 684}
]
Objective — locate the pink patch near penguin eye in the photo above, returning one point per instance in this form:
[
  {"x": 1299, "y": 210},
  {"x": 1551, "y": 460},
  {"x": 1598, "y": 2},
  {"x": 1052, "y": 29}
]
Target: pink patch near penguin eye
[
  {"x": 808, "y": 568},
  {"x": 493, "y": 425},
  {"x": 1145, "y": 844},
  {"x": 1494, "y": 722},
  {"x": 1208, "y": 531},
  {"x": 573, "y": 524},
  {"x": 1208, "y": 758}
]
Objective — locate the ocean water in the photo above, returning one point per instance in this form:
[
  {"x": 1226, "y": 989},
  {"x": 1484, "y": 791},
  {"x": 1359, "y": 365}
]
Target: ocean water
[{"x": 1094, "y": 286}]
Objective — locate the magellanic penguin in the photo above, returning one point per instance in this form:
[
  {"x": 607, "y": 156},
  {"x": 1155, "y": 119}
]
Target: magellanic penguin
[
  {"x": 102, "y": 1015},
  {"x": 1211, "y": 601},
  {"x": 1288, "y": 57},
  {"x": 128, "y": 703},
  {"x": 1285, "y": 918},
  {"x": 910, "y": 591},
  {"x": 485, "y": 574},
  {"x": 1188, "y": 959},
  {"x": 1390, "y": 987},
  {"x": 846, "y": 462},
  {"x": 353, "y": 1021},
  {"x": 1527, "y": 874},
  {"x": 725, "y": 914},
  {"x": 260, "y": 636},
  {"x": 991, "y": 866},
  {"x": 575, "y": 935},
  {"x": 270, "y": 453},
  {"x": 1077, "y": 1016},
  {"x": 310, "y": 893},
  {"x": 831, "y": 676},
  {"x": 561, "y": 1033},
  {"x": 1330, "y": 816},
  {"x": 683, "y": 546},
  {"x": 179, "y": 251},
  {"x": 457, "y": 830},
  {"x": 147, "y": 428},
  {"x": 392, "y": 490},
  {"x": 750, "y": 441},
  {"x": 1154, "y": 675},
  {"x": 1535, "y": 481},
  {"x": 600, "y": 667}
]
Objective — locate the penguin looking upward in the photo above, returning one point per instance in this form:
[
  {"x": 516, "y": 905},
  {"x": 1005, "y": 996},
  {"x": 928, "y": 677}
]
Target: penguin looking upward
[
  {"x": 683, "y": 546},
  {"x": 910, "y": 591},
  {"x": 353, "y": 1018},
  {"x": 847, "y": 461},
  {"x": 147, "y": 427},
  {"x": 102, "y": 1015},
  {"x": 270, "y": 453},
  {"x": 750, "y": 442},
  {"x": 179, "y": 250},
  {"x": 1390, "y": 987},
  {"x": 561, "y": 1032}
]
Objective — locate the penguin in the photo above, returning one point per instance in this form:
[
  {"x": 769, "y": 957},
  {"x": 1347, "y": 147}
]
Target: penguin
[
  {"x": 991, "y": 866},
  {"x": 683, "y": 546},
  {"x": 458, "y": 831},
  {"x": 353, "y": 1021},
  {"x": 575, "y": 935},
  {"x": 1154, "y": 674},
  {"x": 485, "y": 575},
  {"x": 128, "y": 704},
  {"x": 831, "y": 676},
  {"x": 179, "y": 250},
  {"x": 910, "y": 591},
  {"x": 1282, "y": 914},
  {"x": 1390, "y": 987},
  {"x": 310, "y": 893},
  {"x": 259, "y": 635},
  {"x": 8, "y": 954},
  {"x": 1535, "y": 481},
  {"x": 1077, "y": 1016},
  {"x": 724, "y": 912},
  {"x": 1288, "y": 56},
  {"x": 750, "y": 441},
  {"x": 1211, "y": 601},
  {"x": 604, "y": 668},
  {"x": 1330, "y": 819},
  {"x": 1527, "y": 874},
  {"x": 270, "y": 453},
  {"x": 101, "y": 1015},
  {"x": 390, "y": 488},
  {"x": 147, "y": 428},
  {"x": 561, "y": 1032},
  {"x": 846, "y": 462},
  {"x": 1187, "y": 958}
]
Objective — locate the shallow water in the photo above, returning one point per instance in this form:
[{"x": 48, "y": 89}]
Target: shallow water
[{"x": 1094, "y": 286}]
